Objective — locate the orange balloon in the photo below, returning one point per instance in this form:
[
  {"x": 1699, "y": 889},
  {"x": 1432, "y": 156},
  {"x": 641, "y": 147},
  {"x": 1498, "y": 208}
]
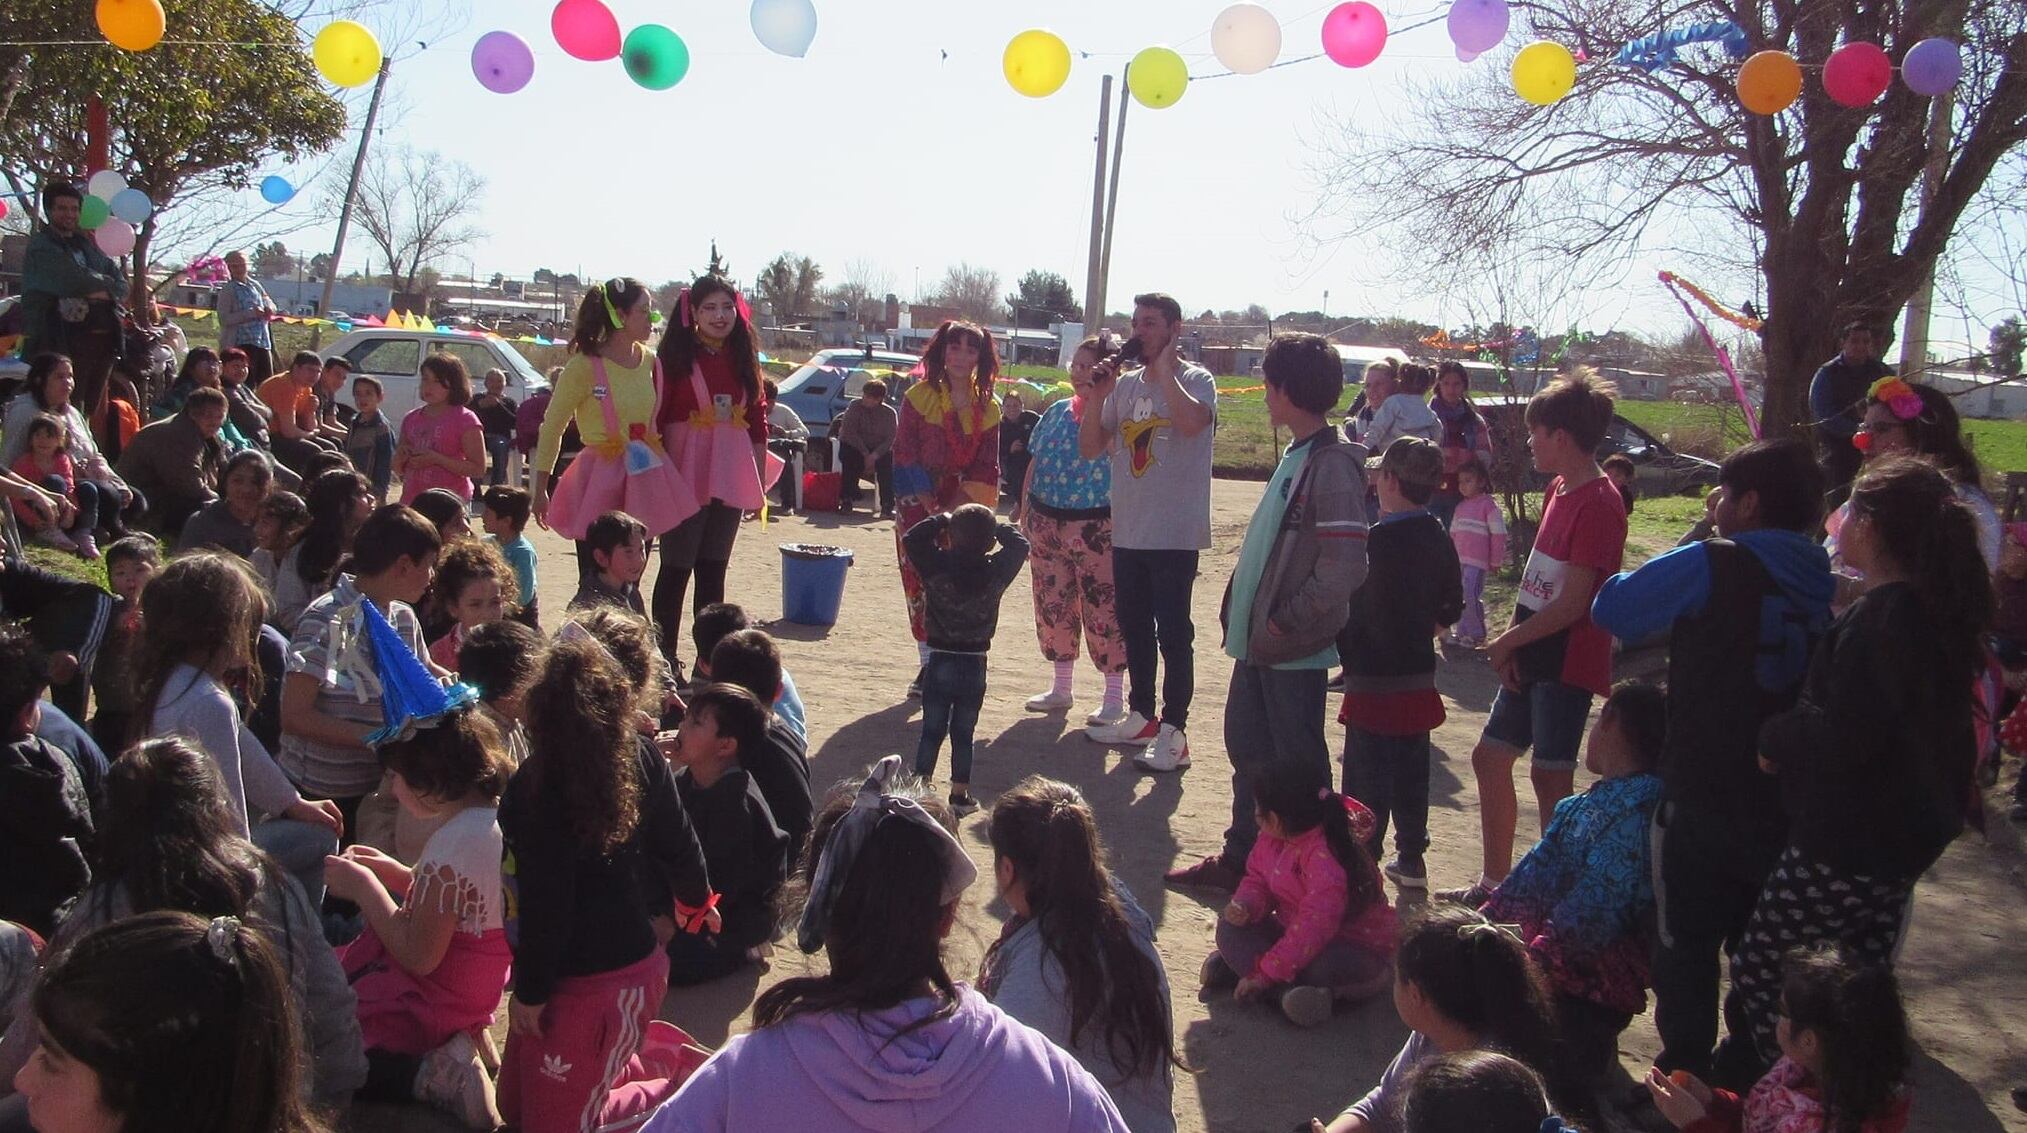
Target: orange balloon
[{"x": 1769, "y": 82}]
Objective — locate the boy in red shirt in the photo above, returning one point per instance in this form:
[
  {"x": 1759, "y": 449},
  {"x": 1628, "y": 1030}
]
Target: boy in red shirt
[{"x": 1553, "y": 658}]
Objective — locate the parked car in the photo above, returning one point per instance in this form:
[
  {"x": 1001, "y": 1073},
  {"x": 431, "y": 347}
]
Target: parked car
[
  {"x": 395, "y": 357},
  {"x": 819, "y": 391},
  {"x": 1660, "y": 471}
]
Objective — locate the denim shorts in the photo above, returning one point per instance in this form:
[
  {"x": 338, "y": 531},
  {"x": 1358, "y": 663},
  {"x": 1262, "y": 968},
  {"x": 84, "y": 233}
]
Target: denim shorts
[{"x": 1546, "y": 717}]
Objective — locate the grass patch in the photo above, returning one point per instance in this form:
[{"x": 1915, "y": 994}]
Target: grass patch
[{"x": 69, "y": 565}]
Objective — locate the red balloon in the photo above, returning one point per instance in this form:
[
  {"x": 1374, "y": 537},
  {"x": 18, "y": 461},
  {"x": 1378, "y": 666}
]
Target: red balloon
[
  {"x": 1857, "y": 74},
  {"x": 586, "y": 29}
]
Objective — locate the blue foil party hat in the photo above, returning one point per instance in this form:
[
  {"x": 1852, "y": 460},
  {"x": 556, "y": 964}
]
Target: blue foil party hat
[{"x": 410, "y": 698}]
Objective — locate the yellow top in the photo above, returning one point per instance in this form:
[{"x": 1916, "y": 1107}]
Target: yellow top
[
  {"x": 633, "y": 393},
  {"x": 935, "y": 404}
]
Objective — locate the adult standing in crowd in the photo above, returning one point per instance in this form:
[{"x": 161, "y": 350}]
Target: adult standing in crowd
[
  {"x": 49, "y": 387},
  {"x": 69, "y": 293},
  {"x": 1158, "y": 423},
  {"x": 175, "y": 462},
  {"x": 712, "y": 421},
  {"x": 1837, "y": 397},
  {"x": 496, "y": 412},
  {"x": 243, "y": 313},
  {"x": 865, "y": 433},
  {"x": 1464, "y": 437},
  {"x": 442, "y": 442}
]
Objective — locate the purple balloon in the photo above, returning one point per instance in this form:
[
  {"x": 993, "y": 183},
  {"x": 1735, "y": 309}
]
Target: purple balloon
[
  {"x": 1464, "y": 56},
  {"x": 502, "y": 62},
  {"x": 1932, "y": 67},
  {"x": 1478, "y": 25}
]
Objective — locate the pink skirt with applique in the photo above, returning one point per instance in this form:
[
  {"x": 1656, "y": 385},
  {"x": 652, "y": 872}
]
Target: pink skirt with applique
[
  {"x": 595, "y": 484},
  {"x": 717, "y": 462}
]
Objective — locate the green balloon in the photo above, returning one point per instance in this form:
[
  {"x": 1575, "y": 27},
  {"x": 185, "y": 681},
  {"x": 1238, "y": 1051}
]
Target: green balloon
[
  {"x": 655, "y": 57},
  {"x": 94, "y": 213}
]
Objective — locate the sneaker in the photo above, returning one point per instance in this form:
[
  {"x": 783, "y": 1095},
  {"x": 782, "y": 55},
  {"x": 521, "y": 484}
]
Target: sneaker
[
  {"x": 1106, "y": 715},
  {"x": 51, "y": 537},
  {"x": 1132, "y": 730},
  {"x": 1169, "y": 752},
  {"x": 87, "y": 545},
  {"x": 962, "y": 805},
  {"x": 1215, "y": 974},
  {"x": 1049, "y": 701},
  {"x": 1210, "y": 873},
  {"x": 1472, "y": 895},
  {"x": 452, "y": 1080},
  {"x": 670, "y": 1052},
  {"x": 1407, "y": 873},
  {"x": 1306, "y": 1006},
  {"x": 915, "y": 686}
]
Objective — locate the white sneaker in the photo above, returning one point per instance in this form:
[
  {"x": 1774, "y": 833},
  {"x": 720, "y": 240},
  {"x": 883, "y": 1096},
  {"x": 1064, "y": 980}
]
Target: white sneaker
[
  {"x": 1170, "y": 751},
  {"x": 1107, "y": 714},
  {"x": 452, "y": 1080},
  {"x": 1049, "y": 701},
  {"x": 1132, "y": 730}
]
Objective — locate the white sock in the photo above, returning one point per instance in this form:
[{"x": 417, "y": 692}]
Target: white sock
[
  {"x": 1115, "y": 693},
  {"x": 1066, "y": 672},
  {"x": 922, "y": 651}
]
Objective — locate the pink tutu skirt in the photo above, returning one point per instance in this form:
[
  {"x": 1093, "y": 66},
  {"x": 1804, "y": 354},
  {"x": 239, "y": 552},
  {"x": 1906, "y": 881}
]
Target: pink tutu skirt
[{"x": 595, "y": 484}]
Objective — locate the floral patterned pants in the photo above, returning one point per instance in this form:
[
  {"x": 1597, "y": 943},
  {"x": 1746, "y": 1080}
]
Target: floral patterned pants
[{"x": 1071, "y": 565}]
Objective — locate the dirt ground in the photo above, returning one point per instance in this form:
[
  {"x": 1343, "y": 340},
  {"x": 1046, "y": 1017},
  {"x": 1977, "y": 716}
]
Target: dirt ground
[{"x": 1963, "y": 970}]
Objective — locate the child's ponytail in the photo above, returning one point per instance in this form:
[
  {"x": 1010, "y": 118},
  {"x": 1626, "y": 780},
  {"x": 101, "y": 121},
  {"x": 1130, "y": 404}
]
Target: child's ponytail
[
  {"x": 1482, "y": 978},
  {"x": 1302, "y": 799},
  {"x": 1854, "y": 1010}
]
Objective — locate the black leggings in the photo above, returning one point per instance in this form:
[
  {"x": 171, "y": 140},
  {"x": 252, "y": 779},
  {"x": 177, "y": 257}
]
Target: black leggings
[{"x": 701, "y": 546}]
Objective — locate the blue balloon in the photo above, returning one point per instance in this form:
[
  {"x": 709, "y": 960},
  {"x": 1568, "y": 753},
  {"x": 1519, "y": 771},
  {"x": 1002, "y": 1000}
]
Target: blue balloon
[
  {"x": 131, "y": 205},
  {"x": 276, "y": 190}
]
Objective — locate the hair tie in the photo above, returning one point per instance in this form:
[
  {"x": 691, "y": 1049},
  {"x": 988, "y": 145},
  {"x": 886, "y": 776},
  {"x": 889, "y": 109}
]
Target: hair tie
[
  {"x": 1897, "y": 396},
  {"x": 612, "y": 309},
  {"x": 222, "y": 937},
  {"x": 874, "y": 805}
]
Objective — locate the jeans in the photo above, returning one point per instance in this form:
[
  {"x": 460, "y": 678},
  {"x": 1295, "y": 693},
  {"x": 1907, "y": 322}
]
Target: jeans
[
  {"x": 498, "y": 445},
  {"x": 1472, "y": 624},
  {"x": 854, "y": 469},
  {"x": 1273, "y": 717},
  {"x": 299, "y": 848},
  {"x": 1153, "y": 592},
  {"x": 1390, "y": 775},
  {"x": 85, "y": 495},
  {"x": 1707, "y": 877},
  {"x": 953, "y": 690}
]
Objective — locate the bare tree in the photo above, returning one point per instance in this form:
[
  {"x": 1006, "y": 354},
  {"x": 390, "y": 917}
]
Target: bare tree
[
  {"x": 1823, "y": 201},
  {"x": 416, "y": 208},
  {"x": 863, "y": 286},
  {"x": 972, "y": 291}
]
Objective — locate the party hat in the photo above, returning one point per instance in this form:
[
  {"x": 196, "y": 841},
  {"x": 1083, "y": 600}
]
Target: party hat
[{"x": 410, "y": 698}]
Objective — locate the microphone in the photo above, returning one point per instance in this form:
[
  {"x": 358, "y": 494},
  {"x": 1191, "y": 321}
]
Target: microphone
[{"x": 1129, "y": 351}]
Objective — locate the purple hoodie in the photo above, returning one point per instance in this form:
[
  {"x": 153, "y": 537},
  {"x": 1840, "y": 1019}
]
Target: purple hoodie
[{"x": 978, "y": 1070}]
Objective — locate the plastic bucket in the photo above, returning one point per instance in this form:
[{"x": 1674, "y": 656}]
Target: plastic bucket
[{"x": 813, "y": 582}]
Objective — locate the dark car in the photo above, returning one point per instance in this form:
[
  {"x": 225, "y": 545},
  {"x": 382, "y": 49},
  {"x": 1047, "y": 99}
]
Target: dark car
[{"x": 1660, "y": 471}]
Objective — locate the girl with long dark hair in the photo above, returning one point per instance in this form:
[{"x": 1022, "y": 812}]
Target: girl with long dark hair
[
  {"x": 339, "y": 500},
  {"x": 443, "y": 445},
  {"x": 713, "y": 423},
  {"x": 1464, "y": 437},
  {"x": 1077, "y": 961}
]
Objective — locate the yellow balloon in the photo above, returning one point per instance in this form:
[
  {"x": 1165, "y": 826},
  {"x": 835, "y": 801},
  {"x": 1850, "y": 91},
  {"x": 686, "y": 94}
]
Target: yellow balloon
[
  {"x": 346, "y": 53},
  {"x": 1157, "y": 77},
  {"x": 1037, "y": 63},
  {"x": 132, "y": 25},
  {"x": 1769, "y": 82},
  {"x": 1544, "y": 72}
]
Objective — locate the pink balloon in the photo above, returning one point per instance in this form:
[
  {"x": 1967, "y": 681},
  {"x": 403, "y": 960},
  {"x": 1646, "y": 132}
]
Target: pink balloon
[
  {"x": 1856, "y": 74},
  {"x": 1354, "y": 34},
  {"x": 586, "y": 29}
]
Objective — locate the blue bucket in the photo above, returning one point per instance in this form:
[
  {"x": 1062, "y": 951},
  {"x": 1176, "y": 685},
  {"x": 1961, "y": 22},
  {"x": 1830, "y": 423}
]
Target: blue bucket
[{"x": 813, "y": 582}]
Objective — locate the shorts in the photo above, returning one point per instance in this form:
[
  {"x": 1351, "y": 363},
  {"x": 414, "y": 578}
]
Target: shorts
[{"x": 1546, "y": 717}]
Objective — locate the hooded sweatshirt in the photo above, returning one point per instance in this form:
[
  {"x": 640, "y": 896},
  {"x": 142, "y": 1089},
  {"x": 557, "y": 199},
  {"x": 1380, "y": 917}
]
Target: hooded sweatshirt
[
  {"x": 1745, "y": 615},
  {"x": 976, "y": 1070}
]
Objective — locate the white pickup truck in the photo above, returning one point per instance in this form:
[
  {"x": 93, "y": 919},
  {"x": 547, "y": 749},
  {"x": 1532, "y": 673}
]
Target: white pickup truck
[{"x": 395, "y": 357}]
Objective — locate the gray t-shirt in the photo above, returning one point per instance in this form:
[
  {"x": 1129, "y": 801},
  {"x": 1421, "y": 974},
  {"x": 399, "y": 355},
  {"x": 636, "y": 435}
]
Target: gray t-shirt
[{"x": 1161, "y": 480}]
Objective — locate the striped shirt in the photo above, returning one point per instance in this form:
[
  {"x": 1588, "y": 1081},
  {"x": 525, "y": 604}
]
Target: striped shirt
[{"x": 329, "y": 645}]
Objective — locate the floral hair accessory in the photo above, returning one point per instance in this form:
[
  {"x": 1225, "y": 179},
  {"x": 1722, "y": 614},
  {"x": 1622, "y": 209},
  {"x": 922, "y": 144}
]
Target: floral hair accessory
[{"x": 1896, "y": 395}]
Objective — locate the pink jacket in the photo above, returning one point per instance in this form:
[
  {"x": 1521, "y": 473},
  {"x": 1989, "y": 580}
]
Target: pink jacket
[
  {"x": 1299, "y": 883},
  {"x": 28, "y": 470},
  {"x": 1478, "y": 529}
]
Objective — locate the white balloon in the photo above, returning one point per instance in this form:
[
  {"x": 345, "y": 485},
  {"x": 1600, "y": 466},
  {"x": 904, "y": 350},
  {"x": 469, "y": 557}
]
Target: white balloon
[
  {"x": 115, "y": 237},
  {"x": 105, "y": 184},
  {"x": 785, "y": 27},
  {"x": 1246, "y": 38}
]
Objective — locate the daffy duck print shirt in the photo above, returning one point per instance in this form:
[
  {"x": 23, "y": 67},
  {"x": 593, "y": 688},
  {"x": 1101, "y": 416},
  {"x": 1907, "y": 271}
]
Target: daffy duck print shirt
[{"x": 1161, "y": 480}]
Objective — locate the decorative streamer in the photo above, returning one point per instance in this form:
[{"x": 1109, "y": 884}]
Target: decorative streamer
[
  {"x": 1657, "y": 52},
  {"x": 1752, "y": 419},
  {"x": 1743, "y": 322}
]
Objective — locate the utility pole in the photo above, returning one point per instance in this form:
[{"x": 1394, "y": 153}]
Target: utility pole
[
  {"x": 1914, "y": 338},
  {"x": 351, "y": 194},
  {"x": 1094, "y": 306},
  {"x": 1112, "y": 202}
]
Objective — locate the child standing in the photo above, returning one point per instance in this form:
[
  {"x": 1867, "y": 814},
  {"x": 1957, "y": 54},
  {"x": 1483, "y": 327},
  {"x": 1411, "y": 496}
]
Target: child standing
[
  {"x": 747, "y": 853},
  {"x": 1584, "y": 895},
  {"x": 1390, "y": 700},
  {"x": 1552, "y": 659},
  {"x": 1478, "y": 531},
  {"x": 47, "y": 464},
  {"x": 283, "y": 519},
  {"x": 1405, "y": 412},
  {"x": 1310, "y": 923},
  {"x": 961, "y": 589},
  {"x": 472, "y": 581},
  {"x": 503, "y": 515},
  {"x": 130, "y": 563},
  {"x": 442, "y": 444},
  {"x": 369, "y": 439},
  {"x": 430, "y": 966},
  {"x": 592, "y": 815},
  {"x": 618, "y": 544}
]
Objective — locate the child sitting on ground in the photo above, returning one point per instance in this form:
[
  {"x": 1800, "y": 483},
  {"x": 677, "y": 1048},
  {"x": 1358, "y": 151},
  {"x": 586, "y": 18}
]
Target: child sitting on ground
[
  {"x": 472, "y": 583},
  {"x": 442, "y": 507},
  {"x": 618, "y": 544},
  {"x": 779, "y": 762},
  {"x": 1310, "y": 924},
  {"x": 503, "y": 514},
  {"x": 1844, "y": 1067},
  {"x": 1584, "y": 895},
  {"x": 747, "y": 853},
  {"x": 430, "y": 967},
  {"x": 633, "y": 641},
  {"x": 130, "y": 563},
  {"x": 501, "y": 659},
  {"x": 45, "y": 825},
  {"x": 1478, "y": 531},
  {"x": 709, "y": 627},
  {"x": 961, "y": 589},
  {"x": 46, "y": 463},
  {"x": 1480, "y": 1090},
  {"x": 282, "y": 522}
]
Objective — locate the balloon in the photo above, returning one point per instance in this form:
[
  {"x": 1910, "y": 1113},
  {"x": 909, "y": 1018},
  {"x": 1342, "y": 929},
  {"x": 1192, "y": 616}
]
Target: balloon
[
  {"x": 105, "y": 184},
  {"x": 1856, "y": 74},
  {"x": 1477, "y": 26},
  {"x": 132, "y": 25},
  {"x": 1769, "y": 82},
  {"x": 655, "y": 57},
  {"x": 1036, "y": 62},
  {"x": 1354, "y": 34},
  {"x": 276, "y": 190},
  {"x": 785, "y": 27},
  {"x": 586, "y": 29},
  {"x": 1544, "y": 72},
  {"x": 94, "y": 213},
  {"x": 1932, "y": 67},
  {"x": 115, "y": 237},
  {"x": 1467, "y": 56},
  {"x": 502, "y": 62},
  {"x": 1246, "y": 38},
  {"x": 1157, "y": 77},
  {"x": 3, "y": 208},
  {"x": 346, "y": 53},
  {"x": 131, "y": 205}
]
